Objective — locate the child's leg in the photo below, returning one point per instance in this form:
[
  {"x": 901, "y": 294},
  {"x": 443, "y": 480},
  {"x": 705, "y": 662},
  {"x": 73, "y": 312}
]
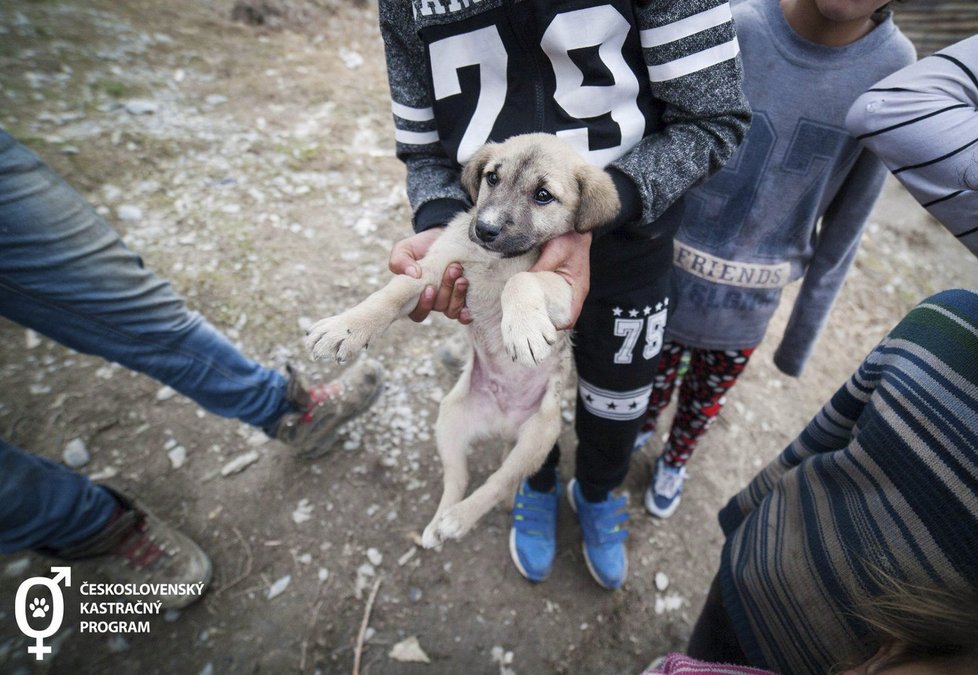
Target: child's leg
[
  {"x": 663, "y": 384},
  {"x": 702, "y": 394}
]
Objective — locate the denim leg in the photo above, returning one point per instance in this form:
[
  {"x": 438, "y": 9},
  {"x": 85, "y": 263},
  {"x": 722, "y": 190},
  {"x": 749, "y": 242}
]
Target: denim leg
[
  {"x": 66, "y": 273},
  {"x": 45, "y": 505}
]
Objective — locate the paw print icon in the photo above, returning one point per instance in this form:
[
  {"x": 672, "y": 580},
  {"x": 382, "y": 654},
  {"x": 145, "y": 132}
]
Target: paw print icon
[{"x": 39, "y": 608}]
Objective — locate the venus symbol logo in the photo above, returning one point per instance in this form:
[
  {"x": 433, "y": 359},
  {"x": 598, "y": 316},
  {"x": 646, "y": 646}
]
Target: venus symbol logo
[{"x": 39, "y": 609}]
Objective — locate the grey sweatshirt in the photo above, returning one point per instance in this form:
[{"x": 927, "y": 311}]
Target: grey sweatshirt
[
  {"x": 754, "y": 227},
  {"x": 923, "y": 123},
  {"x": 652, "y": 93}
]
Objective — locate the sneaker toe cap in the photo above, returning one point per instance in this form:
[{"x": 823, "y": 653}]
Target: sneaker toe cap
[
  {"x": 534, "y": 557},
  {"x": 608, "y": 565}
]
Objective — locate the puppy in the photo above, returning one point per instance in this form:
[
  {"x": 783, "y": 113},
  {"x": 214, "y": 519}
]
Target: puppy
[{"x": 526, "y": 191}]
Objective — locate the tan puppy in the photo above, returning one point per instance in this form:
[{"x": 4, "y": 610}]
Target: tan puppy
[{"x": 526, "y": 190}]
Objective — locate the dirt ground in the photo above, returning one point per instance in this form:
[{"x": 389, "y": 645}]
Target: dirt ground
[{"x": 252, "y": 165}]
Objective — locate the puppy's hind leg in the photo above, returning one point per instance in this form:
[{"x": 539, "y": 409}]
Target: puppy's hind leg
[
  {"x": 536, "y": 437},
  {"x": 455, "y": 431}
]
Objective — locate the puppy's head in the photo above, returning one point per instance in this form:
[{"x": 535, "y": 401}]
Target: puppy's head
[{"x": 532, "y": 188}]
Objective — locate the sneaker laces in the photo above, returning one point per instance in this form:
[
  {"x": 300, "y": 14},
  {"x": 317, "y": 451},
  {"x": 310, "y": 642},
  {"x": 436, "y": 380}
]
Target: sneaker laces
[{"x": 669, "y": 480}]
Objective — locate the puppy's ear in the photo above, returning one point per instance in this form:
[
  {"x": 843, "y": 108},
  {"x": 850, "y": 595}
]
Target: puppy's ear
[
  {"x": 598, "y": 199},
  {"x": 472, "y": 171}
]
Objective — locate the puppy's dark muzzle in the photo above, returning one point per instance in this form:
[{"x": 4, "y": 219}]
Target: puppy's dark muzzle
[{"x": 487, "y": 232}]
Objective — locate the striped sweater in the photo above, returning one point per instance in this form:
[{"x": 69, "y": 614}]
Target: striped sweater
[
  {"x": 652, "y": 92},
  {"x": 923, "y": 123},
  {"x": 885, "y": 477}
]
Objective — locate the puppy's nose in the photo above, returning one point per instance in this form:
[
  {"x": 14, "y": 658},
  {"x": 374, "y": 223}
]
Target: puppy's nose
[{"x": 486, "y": 232}]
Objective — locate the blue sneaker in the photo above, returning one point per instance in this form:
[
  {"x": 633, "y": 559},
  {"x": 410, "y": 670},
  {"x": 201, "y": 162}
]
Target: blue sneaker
[
  {"x": 533, "y": 536},
  {"x": 666, "y": 490},
  {"x": 602, "y": 526}
]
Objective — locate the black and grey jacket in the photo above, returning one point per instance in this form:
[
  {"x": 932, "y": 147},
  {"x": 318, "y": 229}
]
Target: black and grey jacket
[{"x": 651, "y": 91}]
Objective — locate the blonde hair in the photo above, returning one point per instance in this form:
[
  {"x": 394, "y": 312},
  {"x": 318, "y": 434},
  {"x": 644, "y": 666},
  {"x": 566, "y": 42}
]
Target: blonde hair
[{"x": 924, "y": 621}]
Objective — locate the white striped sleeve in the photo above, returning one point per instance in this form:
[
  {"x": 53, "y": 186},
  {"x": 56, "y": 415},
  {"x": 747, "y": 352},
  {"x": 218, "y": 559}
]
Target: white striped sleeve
[
  {"x": 695, "y": 62},
  {"x": 922, "y": 122},
  {"x": 688, "y": 44},
  {"x": 412, "y": 114},
  {"x": 415, "y": 137},
  {"x": 677, "y": 30},
  {"x": 413, "y": 125}
]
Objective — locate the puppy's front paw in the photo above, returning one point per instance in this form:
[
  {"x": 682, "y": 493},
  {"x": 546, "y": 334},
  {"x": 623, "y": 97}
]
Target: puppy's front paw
[
  {"x": 338, "y": 337},
  {"x": 528, "y": 337}
]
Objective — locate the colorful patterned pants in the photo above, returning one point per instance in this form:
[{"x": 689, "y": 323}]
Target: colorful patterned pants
[{"x": 709, "y": 377}]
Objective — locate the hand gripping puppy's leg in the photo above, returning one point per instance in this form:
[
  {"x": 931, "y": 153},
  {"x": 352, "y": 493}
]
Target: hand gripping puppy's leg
[{"x": 533, "y": 304}]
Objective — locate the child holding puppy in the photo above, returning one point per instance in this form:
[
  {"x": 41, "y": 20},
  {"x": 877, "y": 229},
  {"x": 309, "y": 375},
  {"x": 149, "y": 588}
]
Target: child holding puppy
[{"x": 651, "y": 92}]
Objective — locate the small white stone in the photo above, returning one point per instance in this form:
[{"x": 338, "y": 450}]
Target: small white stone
[
  {"x": 668, "y": 603},
  {"x": 408, "y": 651},
  {"x": 303, "y": 512},
  {"x": 31, "y": 339},
  {"x": 140, "y": 107},
  {"x": 75, "y": 454},
  {"x": 661, "y": 581},
  {"x": 128, "y": 212},
  {"x": 351, "y": 59},
  {"x": 279, "y": 587},
  {"x": 374, "y": 556},
  {"x": 165, "y": 394},
  {"x": 323, "y": 574},
  {"x": 178, "y": 456}
]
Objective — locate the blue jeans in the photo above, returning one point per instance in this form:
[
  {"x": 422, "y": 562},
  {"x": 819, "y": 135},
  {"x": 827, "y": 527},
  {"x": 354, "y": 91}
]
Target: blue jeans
[{"x": 65, "y": 272}]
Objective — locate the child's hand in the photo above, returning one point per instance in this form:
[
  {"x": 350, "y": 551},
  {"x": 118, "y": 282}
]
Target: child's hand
[
  {"x": 569, "y": 255},
  {"x": 449, "y": 297}
]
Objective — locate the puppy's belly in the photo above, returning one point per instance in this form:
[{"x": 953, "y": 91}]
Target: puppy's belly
[{"x": 514, "y": 391}]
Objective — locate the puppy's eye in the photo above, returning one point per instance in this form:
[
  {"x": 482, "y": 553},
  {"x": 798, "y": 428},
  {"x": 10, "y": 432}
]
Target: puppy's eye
[
  {"x": 492, "y": 178},
  {"x": 542, "y": 196}
]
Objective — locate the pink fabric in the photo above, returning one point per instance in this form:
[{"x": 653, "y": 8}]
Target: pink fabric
[{"x": 680, "y": 664}]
